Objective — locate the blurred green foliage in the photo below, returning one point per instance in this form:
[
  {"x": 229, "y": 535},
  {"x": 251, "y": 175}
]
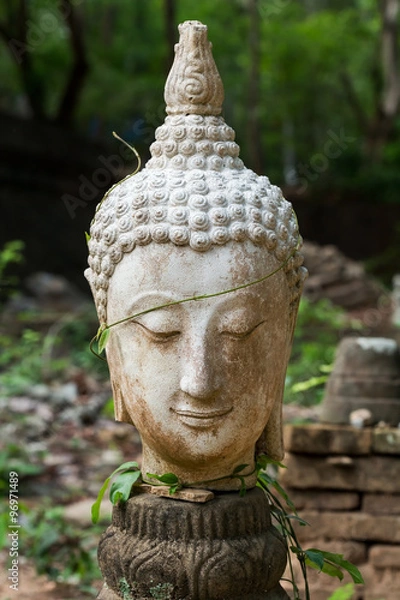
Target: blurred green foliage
[
  {"x": 63, "y": 551},
  {"x": 11, "y": 254},
  {"x": 345, "y": 592},
  {"x": 319, "y": 71},
  {"x": 320, "y": 325},
  {"x": 36, "y": 356}
]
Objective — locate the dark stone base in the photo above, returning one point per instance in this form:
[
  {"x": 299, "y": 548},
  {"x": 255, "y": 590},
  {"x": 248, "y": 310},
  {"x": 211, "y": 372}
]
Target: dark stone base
[
  {"x": 225, "y": 549},
  {"x": 277, "y": 593}
]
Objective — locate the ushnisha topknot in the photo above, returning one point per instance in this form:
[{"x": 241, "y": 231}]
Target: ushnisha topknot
[{"x": 194, "y": 191}]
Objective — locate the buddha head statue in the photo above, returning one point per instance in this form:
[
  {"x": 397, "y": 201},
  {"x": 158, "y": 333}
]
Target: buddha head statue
[{"x": 216, "y": 248}]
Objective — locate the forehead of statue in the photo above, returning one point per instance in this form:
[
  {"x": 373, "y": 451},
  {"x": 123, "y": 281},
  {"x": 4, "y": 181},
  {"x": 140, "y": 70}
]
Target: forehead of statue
[{"x": 170, "y": 273}]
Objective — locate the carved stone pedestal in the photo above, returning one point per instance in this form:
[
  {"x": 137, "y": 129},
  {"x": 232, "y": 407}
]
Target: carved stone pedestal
[{"x": 224, "y": 549}]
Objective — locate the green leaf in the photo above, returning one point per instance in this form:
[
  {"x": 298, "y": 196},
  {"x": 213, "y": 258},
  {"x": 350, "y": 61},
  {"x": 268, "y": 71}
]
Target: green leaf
[
  {"x": 122, "y": 486},
  {"x": 105, "y": 334},
  {"x": 87, "y": 237},
  {"x": 243, "y": 490},
  {"x": 304, "y": 386},
  {"x": 343, "y": 593},
  {"x": 339, "y": 561},
  {"x": 239, "y": 468},
  {"x": 267, "y": 480},
  {"x": 301, "y": 521},
  {"x": 263, "y": 461},
  {"x": 327, "y": 568},
  {"x": 174, "y": 488},
  {"x": 315, "y": 557},
  {"x": 167, "y": 478},
  {"x": 95, "y": 511}
]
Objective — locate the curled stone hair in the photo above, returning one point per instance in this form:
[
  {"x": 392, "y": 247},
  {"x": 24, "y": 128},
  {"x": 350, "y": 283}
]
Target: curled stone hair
[{"x": 195, "y": 190}]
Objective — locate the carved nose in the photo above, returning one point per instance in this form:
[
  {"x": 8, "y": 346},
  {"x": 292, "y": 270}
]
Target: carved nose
[{"x": 199, "y": 378}]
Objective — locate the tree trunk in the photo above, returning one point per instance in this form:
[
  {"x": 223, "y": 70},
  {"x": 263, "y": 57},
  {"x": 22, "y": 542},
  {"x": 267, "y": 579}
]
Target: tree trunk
[
  {"x": 79, "y": 69},
  {"x": 14, "y": 33},
  {"x": 171, "y": 31},
  {"x": 254, "y": 123},
  {"x": 382, "y": 124}
]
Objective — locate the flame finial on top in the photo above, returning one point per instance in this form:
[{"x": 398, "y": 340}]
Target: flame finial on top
[{"x": 194, "y": 85}]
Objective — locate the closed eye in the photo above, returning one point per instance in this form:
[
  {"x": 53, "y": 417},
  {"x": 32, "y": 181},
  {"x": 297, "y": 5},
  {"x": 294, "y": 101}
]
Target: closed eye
[
  {"x": 241, "y": 335},
  {"x": 158, "y": 336}
]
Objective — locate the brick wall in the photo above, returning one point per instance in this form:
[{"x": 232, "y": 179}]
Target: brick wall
[{"x": 345, "y": 483}]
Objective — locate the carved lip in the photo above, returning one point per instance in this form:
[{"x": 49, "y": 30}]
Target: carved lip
[{"x": 201, "y": 418}]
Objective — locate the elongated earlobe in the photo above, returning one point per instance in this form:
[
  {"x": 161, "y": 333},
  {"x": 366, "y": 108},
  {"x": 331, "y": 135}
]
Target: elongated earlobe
[
  {"x": 271, "y": 440},
  {"x": 121, "y": 414}
]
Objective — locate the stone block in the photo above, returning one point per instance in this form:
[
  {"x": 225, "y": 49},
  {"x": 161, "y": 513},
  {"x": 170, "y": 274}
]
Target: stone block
[
  {"x": 381, "y": 504},
  {"x": 327, "y": 439},
  {"x": 386, "y": 441},
  {"x": 349, "y": 526},
  {"x": 322, "y": 500},
  {"x": 381, "y": 584},
  {"x": 364, "y": 474},
  {"x": 385, "y": 557}
]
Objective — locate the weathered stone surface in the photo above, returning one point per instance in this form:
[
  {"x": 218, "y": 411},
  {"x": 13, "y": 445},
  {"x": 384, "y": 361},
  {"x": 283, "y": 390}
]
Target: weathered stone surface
[
  {"x": 321, "y": 500},
  {"x": 225, "y": 548},
  {"x": 386, "y": 441},
  {"x": 188, "y": 494},
  {"x": 350, "y": 526},
  {"x": 369, "y": 474},
  {"x": 203, "y": 380},
  {"x": 381, "y": 584},
  {"x": 385, "y": 557},
  {"x": 278, "y": 593},
  {"x": 327, "y": 439},
  {"x": 365, "y": 375},
  {"x": 338, "y": 278},
  {"x": 381, "y": 504}
]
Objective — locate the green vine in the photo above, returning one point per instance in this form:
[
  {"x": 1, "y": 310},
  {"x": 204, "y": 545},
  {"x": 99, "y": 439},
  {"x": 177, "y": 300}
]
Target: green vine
[{"x": 129, "y": 475}]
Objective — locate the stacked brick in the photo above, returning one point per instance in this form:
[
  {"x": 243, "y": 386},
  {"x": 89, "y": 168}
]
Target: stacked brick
[{"x": 345, "y": 483}]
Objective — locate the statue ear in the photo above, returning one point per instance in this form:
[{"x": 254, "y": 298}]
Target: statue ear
[
  {"x": 121, "y": 414},
  {"x": 271, "y": 439}
]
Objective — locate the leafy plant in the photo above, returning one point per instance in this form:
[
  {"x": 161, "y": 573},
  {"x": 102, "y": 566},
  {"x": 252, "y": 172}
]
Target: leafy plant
[
  {"x": 14, "y": 457},
  {"x": 36, "y": 356},
  {"x": 10, "y": 254},
  {"x": 62, "y": 551},
  {"x": 325, "y": 562},
  {"x": 20, "y": 362},
  {"x": 121, "y": 489},
  {"x": 319, "y": 328},
  {"x": 343, "y": 593}
]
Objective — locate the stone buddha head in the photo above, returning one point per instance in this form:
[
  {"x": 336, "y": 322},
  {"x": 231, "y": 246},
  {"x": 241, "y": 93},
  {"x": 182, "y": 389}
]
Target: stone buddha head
[{"x": 203, "y": 379}]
